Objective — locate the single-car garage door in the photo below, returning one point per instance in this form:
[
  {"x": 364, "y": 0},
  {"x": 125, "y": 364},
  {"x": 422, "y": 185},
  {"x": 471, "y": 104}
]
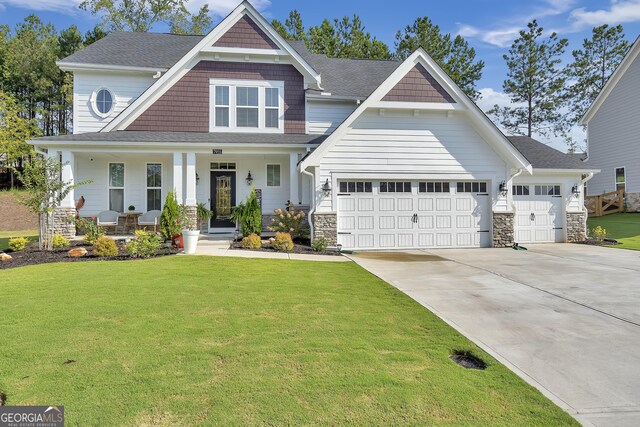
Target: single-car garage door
[
  {"x": 413, "y": 214},
  {"x": 538, "y": 213}
]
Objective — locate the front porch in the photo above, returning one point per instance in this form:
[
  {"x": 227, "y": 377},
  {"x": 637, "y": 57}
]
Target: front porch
[{"x": 138, "y": 181}]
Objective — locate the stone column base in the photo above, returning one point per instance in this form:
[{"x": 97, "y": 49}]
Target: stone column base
[
  {"x": 503, "y": 229},
  {"x": 576, "y": 227},
  {"x": 632, "y": 202},
  {"x": 326, "y": 225},
  {"x": 63, "y": 222},
  {"x": 192, "y": 212}
]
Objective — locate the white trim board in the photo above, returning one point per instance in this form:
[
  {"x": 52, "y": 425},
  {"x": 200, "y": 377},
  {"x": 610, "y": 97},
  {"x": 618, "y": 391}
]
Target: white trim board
[
  {"x": 486, "y": 127},
  {"x": 180, "y": 68}
]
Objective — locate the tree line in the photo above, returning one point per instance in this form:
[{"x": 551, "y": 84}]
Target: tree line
[{"x": 547, "y": 98}]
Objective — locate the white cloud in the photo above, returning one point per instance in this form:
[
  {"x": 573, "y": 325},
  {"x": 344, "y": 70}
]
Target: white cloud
[
  {"x": 65, "y": 6},
  {"x": 501, "y": 37},
  {"x": 620, "y": 11}
]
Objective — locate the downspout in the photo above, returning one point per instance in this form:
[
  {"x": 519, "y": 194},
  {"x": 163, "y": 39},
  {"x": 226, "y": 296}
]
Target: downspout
[
  {"x": 518, "y": 172},
  {"x": 312, "y": 200},
  {"x": 584, "y": 208}
]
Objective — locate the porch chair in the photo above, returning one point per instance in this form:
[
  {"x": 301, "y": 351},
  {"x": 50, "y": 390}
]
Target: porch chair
[
  {"x": 150, "y": 219},
  {"x": 108, "y": 219}
]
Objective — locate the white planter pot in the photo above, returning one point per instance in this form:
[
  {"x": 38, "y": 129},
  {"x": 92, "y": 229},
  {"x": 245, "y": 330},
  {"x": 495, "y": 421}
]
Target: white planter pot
[{"x": 190, "y": 240}]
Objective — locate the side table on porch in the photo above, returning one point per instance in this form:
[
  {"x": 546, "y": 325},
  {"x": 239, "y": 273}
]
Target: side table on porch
[{"x": 130, "y": 221}]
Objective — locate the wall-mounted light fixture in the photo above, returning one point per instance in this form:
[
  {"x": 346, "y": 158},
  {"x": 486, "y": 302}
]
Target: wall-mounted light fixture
[
  {"x": 575, "y": 190},
  {"x": 197, "y": 178},
  {"x": 326, "y": 188},
  {"x": 249, "y": 178},
  {"x": 503, "y": 188}
]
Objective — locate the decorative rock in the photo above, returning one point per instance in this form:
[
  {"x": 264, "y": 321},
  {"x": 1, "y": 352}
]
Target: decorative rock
[
  {"x": 5, "y": 257},
  {"x": 77, "y": 252}
]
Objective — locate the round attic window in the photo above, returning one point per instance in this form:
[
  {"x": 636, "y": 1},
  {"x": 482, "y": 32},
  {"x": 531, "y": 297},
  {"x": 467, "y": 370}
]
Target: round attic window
[{"x": 103, "y": 102}]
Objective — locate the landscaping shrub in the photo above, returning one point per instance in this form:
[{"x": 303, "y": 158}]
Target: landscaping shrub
[
  {"x": 248, "y": 215},
  {"x": 105, "y": 247},
  {"x": 91, "y": 231},
  {"x": 252, "y": 242},
  {"x": 144, "y": 245},
  {"x": 18, "y": 244},
  {"x": 60, "y": 242},
  {"x": 203, "y": 214},
  {"x": 599, "y": 233},
  {"x": 169, "y": 219},
  {"x": 282, "y": 242},
  {"x": 289, "y": 221},
  {"x": 319, "y": 244}
]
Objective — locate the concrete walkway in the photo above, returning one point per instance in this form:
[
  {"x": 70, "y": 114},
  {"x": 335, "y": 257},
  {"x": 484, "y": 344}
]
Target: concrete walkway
[
  {"x": 219, "y": 246},
  {"x": 566, "y": 318}
]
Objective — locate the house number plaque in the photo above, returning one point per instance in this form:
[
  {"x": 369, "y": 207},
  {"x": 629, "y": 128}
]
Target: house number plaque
[{"x": 217, "y": 151}]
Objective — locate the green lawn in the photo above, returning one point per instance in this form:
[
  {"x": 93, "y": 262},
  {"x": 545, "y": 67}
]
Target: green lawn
[
  {"x": 6, "y": 235},
  {"x": 230, "y": 341},
  {"x": 624, "y": 227}
]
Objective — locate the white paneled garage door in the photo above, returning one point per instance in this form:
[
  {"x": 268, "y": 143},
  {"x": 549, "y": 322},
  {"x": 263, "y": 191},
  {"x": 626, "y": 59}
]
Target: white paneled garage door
[
  {"x": 538, "y": 213},
  {"x": 412, "y": 214}
]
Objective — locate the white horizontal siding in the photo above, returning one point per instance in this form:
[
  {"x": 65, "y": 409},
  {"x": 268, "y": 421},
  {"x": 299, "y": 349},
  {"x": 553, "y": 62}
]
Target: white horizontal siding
[
  {"x": 400, "y": 143},
  {"x": 324, "y": 116},
  {"x": 126, "y": 87},
  {"x": 614, "y": 135}
]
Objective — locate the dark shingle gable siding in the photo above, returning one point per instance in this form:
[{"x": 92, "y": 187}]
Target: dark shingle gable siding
[
  {"x": 418, "y": 86},
  {"x": 245, "y": 34},
  {"x": 185, "y": 106}
]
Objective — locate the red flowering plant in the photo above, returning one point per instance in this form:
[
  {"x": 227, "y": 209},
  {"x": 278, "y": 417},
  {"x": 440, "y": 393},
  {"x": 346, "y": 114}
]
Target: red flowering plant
[{"x": 91, "y": 231}]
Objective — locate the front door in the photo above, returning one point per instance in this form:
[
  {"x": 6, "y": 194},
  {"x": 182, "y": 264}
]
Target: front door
[{"x": 223, "y": 198}]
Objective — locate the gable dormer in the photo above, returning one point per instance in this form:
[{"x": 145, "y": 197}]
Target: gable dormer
[{"x": 245, "y": 34}]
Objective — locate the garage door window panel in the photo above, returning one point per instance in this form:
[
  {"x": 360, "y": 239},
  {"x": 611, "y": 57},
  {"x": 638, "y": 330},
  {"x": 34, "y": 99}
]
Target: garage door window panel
[
  {"x": 395, "y": 187},
  {"x": 520, "y": 190},
  {"x": 471, "y": 187},
  {"x": 434, "y": 187},
  {"x": 547, "y": 190},
  {"x": 356, "y": 186}
]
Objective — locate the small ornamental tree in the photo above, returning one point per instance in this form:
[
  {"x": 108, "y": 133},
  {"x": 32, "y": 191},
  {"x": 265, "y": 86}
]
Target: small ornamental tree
[
  {"x": 45, "y": 191},
  {"x": 170, "y": 217}
]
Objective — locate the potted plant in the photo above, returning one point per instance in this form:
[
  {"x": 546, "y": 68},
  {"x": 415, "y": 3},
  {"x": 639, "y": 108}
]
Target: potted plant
[
  {"x": 132, "y": 208},
  {"x": 203, "y": 214},
  {"x": 190, "y": 231},
  {"x": 170, "y": 221}
]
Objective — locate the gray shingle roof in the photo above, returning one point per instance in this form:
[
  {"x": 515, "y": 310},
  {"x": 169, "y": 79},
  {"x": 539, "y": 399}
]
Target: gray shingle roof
[
  {"x": 149, "y": 50},
  {"x": 345, "y": 76},
  {"x": 186, "y": 137},
  {"x": 340, "y": 76},
  {"x": 541, "y": 156}
]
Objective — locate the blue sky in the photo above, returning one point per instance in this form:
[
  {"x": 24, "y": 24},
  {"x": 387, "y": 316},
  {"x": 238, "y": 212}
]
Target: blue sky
[{"x": 488, "y": 25}]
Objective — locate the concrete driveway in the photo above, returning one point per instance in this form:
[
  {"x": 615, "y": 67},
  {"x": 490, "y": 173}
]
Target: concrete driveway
[{"x": 564, "y": 317}]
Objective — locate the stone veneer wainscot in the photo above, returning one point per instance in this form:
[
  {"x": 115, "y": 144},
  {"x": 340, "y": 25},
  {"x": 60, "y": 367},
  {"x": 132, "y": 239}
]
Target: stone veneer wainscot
[
  {"x": 503, "y": 229},
  {"x": 325, "y": 225}
]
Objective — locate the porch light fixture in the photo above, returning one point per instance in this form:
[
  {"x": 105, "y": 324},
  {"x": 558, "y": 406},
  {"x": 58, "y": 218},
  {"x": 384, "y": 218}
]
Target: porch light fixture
[
  {"x": 197, "y": 178},
  {"x": 326, "y": 188},
  {"x": 575, "y": 190},
  {"x": 339, "y": 246},
  {"x": 249, "y": 178},
  {"x": 503, "y": 188}
]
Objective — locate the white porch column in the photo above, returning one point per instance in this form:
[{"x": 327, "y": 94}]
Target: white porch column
[
  {"x": 68, "y": 168},
  {"x": 190, "y": 196},
  {"x": 294, "y": 197},
  {"x": 177, "y": 176}
]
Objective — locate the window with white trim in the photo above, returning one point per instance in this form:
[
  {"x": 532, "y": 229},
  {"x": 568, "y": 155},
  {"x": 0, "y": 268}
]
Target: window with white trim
[
  {"x": 621, "y": 179},
  {"x": 273, "y": 175},
  {"x": 246, "y": 106},
  {"x": 433, "y": 187},
  {"x": 395, "y": 187},
  {"x": 116, "y": 187},
  {"x": 520, "y": 190},
  {"x": 356, "y": 186},
  {"x": 102, "y": 102},
  {"x": 547, "y": 190},
  {"x": 154, "y": 186}
]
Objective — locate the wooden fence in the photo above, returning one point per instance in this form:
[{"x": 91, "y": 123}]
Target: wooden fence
[{"x": 605, "y": 204}]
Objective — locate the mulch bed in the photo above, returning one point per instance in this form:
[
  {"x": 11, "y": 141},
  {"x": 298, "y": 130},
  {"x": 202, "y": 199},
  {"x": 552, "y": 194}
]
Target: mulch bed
[
  {"x": 31, "y": 255},
  {"x": 605, "y": 242},
  {"x": 300, "y": 247}
]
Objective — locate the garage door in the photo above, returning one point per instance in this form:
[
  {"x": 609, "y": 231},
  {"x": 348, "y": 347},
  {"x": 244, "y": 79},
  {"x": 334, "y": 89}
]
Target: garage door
[
  {"x": 413, "y": 214},
  {"x": 538, "y": 213}
]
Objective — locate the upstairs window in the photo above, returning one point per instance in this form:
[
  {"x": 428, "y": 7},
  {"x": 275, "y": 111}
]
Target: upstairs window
[
  {"x": 102, "y": 102},
  {"x": 247, "y": 106}
]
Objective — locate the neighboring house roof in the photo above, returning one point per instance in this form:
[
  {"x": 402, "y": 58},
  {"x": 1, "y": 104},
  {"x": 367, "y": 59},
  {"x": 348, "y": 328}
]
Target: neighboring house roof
[
  {"x": 613, "y": 80},
  {"x": 142, "y": 50},
  {"x": 541, "y": 156},
  {"x": 356, "y": 78},
  {"x": 184, "y": 137}
]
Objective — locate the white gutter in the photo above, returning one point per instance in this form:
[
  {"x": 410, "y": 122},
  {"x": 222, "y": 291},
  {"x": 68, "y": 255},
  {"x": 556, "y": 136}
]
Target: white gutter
[
  {"x": 76, "y": 66},
  {"x": 312, "y": 200},
  {"x": 518, "y": 172},
  {"x": 584, "y": 208}
]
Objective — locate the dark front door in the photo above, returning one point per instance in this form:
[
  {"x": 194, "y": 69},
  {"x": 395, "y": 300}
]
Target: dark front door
[{"x": 223, "y": 198}]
